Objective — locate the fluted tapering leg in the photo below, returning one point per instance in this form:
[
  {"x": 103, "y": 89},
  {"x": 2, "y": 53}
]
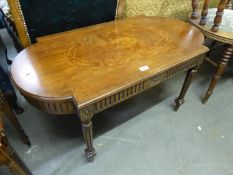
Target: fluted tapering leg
[
  {"x": 88, "y": 138},
  {"x": 86, "y": 116},
  {"x": 219, "y": 71},
  {"x": 219, "y": 13},
  {"x": 195, "y": 9},
  {"x": 6, "y": 109},
  {"x": 189, "y": 77}
]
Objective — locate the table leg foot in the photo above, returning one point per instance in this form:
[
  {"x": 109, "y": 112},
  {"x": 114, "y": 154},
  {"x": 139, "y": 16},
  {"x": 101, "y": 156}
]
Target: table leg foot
[
  {"x": 26, "y": 141},
  {"x": 206, "y": 97},
  {"x": 90, "y": 155},
  {"x": 88, "y": 138},
  {"x": 178, "y": 103},
  {"x": 86, "y": 116}
]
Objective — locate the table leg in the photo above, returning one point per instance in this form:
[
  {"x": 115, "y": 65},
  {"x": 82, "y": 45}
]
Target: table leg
[
  {"x": 180, "y": 100},
  {"x": 6, "y": 109},
  {"x": 86, "y": 120},
  {"x": 219, "y": 71}
]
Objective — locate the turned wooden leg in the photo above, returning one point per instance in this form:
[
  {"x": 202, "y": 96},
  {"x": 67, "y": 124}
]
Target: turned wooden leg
[
  {"x": 218, "y": 17},
  {"x": 194, "y": 14},
  {"x": 11, "y": 116},
  {"x": 204, "y": 12},
  {"x": 85, "y": 117},
  {"x": 180, "y": 100},
  {"x": 219, "y": 71},
  {"x": 6, "y": 109},
  {"x": 8, "y": 156},
  {"x": 229, "y": 4}
]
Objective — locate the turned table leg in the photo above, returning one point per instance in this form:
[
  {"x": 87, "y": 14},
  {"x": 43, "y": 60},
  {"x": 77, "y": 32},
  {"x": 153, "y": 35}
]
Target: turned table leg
[
  {"x": 219, "y": 71},
  {"x": 86, "y": 121},
  {"x": 6, "y": 109},
  {"x": 180, "y": 100}
]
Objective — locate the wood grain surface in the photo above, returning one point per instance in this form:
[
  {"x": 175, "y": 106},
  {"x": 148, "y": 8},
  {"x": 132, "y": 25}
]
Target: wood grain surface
[{"x": 91, "y": 63}]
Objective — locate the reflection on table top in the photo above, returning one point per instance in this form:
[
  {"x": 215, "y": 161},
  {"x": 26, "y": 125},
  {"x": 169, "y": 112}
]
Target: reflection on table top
[{"x": 96, "y": 60}]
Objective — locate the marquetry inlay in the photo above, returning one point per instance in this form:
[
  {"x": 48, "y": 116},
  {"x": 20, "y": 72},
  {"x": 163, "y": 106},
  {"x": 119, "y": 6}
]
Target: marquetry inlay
[
  {"x": 67, "y": 106},
  {"x": 121, "y": 41}
]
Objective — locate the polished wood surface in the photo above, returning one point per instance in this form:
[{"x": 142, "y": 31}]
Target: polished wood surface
[
  {"x": 95, "y": 61},
  {"x": 88, "y": 70}
]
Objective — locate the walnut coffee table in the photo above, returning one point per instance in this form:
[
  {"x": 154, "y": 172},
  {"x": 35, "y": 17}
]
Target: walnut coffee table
[{"x": 88, "y": 70}]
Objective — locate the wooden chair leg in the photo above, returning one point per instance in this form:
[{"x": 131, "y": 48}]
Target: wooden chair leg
[
  {"x": 204, "y": 12},
  {"x": 8, "y": 156},
  {"x": 194, "y": 14},
  {"x": 15, "y": 164},
  {"x": 218, "y": 17},
  {"x": 219, "y": 71},
  {"x": 6, "y": 109},
  {"x": 189, "y": 77}
]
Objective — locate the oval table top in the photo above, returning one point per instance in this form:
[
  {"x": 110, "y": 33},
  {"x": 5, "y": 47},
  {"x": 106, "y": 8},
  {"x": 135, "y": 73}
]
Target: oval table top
[{"x": 91, "y": 62}]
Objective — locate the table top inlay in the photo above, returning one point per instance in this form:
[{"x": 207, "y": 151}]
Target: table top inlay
[{"x": 91, "y": 62}]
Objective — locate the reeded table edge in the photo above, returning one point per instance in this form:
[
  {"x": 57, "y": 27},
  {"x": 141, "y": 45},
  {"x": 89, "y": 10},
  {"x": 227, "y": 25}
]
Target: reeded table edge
[{"x": 69, "y": 104}]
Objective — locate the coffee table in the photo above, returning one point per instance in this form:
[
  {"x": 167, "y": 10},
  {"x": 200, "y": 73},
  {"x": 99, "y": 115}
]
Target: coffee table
[{"x": 88, "y": 70}]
